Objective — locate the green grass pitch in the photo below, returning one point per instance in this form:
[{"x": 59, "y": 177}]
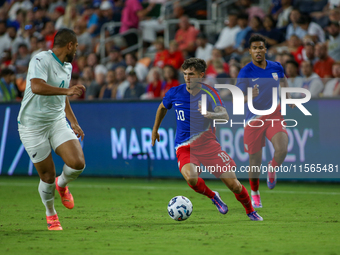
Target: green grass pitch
[{"x": 129, "y": 216}]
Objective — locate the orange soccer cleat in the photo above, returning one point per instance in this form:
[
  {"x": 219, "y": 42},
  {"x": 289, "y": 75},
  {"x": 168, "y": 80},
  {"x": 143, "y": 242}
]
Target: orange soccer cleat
[
  {"x": 65, "y": 194},
  {"x": 53, "y": 222}
]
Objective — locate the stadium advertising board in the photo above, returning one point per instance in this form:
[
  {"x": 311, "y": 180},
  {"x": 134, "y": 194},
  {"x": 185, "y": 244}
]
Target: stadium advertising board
[{"x": 116, "y": 132}]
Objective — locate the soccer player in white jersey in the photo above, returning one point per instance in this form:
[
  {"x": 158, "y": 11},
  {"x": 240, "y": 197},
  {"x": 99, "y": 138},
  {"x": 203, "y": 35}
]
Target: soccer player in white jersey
[{"x": 42, "y": 122}]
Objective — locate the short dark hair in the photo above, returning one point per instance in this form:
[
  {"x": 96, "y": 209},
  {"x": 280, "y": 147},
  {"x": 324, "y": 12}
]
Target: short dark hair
[
  {"x": 22, "y": 45},
  {"x": 243, "y": 16},
  {"x": 197, "y": 63},
  {"x": 6, "y": 71},
  {"x": 63, "y": 37},
  {"x": 304, "y": 19},
  {"x": 257, "y": 38},
  {"x": 293, "y": 62},
  {"x": 133, "y": 55},
  {"x": 132, "y": 73}
]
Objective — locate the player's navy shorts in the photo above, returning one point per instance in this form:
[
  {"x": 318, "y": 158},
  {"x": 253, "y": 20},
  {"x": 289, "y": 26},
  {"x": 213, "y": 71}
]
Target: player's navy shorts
[
  {"x": 255, "y": 137},
  {"x": 206, "y": 150}
]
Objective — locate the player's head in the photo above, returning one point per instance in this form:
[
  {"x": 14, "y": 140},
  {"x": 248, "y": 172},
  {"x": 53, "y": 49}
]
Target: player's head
[
  {"x": 257, "y": 48},
  {"x": 193, "y": 68},
  {"x": 67, "y": 39}
]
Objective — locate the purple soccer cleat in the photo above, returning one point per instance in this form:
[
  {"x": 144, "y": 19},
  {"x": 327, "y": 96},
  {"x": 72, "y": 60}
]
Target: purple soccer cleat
[
  {"x": 221, "y": 206},
  {"x": 254, "y": 216}
]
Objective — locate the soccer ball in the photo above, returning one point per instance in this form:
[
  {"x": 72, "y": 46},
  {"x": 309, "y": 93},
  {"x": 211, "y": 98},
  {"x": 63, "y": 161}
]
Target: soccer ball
[{"x": 179, "y": 208}]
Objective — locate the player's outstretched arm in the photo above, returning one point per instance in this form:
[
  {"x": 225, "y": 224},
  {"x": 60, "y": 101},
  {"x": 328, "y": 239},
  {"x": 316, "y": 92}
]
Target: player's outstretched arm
[
  {"x": 40, "y": 87},
  {"x": 161, "y": 112},
  {"x": 73, "y": 120}
]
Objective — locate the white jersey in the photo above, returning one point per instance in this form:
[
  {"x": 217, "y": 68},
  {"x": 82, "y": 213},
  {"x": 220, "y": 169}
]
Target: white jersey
[{"x": 41, "y": 110}]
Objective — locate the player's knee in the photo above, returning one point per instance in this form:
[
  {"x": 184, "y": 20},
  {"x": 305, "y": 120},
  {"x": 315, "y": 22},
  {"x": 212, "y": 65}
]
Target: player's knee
[
  {"x": 192, "y": 181},
  {"x": 77, "y": 163},
  {"x": 281, "y": 152},
  {"x": 47, "y": 177}
]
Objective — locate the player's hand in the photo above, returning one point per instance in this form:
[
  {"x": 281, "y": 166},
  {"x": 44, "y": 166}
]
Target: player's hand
[
  {"x": 78, "y": 131},
  {"x": 256, "y": 91},
  {"x": 154, "y": 137},
  {"x": 292, "y": 106},
  {"x": 76, "y": 90}
]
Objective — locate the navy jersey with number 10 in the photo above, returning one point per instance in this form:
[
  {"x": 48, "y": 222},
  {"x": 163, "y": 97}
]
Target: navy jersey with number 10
[{"x": 190, "y": 122}]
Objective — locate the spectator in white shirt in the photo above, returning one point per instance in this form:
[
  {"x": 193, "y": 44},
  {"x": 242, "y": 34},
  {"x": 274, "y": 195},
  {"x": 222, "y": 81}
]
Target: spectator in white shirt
[
  {"x": 204, "y": 49},
  {"x": 283, "y": 18},
  {"x": 311, "y": 80},
  {"x": 226, "y": 39},
  {"x": 312, "y": 28}
]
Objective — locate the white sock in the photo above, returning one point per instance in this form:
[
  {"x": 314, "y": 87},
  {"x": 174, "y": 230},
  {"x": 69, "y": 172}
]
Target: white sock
[
  {"x": 46, "y": 192},
  {"x": 68, "y": 175},
  {"x": 253, "y": 193}
]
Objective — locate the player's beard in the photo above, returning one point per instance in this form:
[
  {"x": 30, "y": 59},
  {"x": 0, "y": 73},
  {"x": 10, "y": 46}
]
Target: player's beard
[{"x": 69, "y": 57}]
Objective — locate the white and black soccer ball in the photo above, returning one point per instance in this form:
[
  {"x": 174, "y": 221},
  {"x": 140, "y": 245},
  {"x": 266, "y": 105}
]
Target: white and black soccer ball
[{"x": 179, "y": 208}]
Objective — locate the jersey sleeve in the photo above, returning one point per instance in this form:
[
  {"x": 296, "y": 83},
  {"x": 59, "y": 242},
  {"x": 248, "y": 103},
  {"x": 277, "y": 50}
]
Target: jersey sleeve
[
  {"x": 167, "y": 99},
  {"x": 38, "y": 68},
  {"x": 242, "y": 81},
  {"x": 214, "y": 99}
]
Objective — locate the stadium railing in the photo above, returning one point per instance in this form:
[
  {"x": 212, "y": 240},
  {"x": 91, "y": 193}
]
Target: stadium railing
[
  {"x": 167, "y": 8},
  {"x": 111, "y": 26},
  {"x": 197, "y": 23},
  {"x": 220, "y": 8}
]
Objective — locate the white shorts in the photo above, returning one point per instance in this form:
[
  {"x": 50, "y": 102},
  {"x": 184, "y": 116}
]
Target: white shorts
[{"x": 38, "y": 141}]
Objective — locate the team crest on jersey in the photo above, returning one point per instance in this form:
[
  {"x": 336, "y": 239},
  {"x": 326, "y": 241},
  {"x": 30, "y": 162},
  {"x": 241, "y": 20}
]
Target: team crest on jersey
[{"x": 275, "y": 76}]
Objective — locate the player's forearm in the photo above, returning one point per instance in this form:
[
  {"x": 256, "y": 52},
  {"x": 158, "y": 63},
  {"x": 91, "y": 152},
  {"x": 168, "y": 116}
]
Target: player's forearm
[
  {"x": 161, "y": 112},
  {"x": 69, "y": 112},
  {"x": 219, "y": 113},
  {"x": 40, "y": 87}
]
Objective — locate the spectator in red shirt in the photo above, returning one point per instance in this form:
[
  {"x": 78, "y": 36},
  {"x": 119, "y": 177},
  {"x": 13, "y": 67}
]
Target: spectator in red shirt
[
  {"x": 170, "y": 79},
  {"x": 186, "y": 36},
  {"x": 323, "y": 67},
  {"x": 175, "y": 57},
  {"x": 162, "y": 54},
  {"x": 216, "y": 55},
  {"x": 155, "y": 77},
  {"x": 49, "y": 33}
]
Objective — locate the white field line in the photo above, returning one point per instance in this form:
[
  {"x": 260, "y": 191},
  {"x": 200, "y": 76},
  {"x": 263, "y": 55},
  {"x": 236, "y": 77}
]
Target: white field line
[{"x": 150, "y": 187}]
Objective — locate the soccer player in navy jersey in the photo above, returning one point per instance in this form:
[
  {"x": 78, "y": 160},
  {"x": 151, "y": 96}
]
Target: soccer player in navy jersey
[
  {"x": 262, "y": 75},
  {"x": 196, "y": 142}
]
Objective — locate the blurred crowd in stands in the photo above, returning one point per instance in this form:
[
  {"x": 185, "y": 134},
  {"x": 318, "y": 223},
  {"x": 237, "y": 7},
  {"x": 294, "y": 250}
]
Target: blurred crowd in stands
[{"x": 303, "y": 35}]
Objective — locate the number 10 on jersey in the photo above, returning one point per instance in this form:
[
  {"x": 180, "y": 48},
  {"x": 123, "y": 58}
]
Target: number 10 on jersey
[{"x": 180, "y": 115}]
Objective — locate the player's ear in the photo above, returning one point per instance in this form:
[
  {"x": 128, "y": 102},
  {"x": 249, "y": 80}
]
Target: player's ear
[
  {"x": 202, "y": 75},
  {"x": 70, "y": 45}
]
